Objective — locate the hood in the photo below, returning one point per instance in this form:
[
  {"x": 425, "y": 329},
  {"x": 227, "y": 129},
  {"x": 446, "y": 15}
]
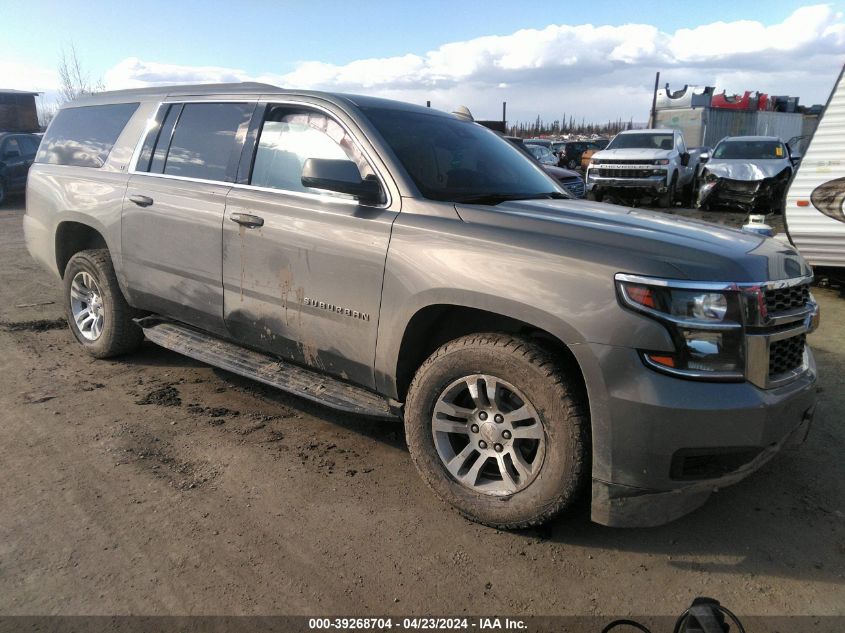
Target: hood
[
  {"x": 749, "y": 170},
  {"x": 559, "y": 172},
  {"x": 639, "y": 241},
  {"x": 633, "y": 154}
]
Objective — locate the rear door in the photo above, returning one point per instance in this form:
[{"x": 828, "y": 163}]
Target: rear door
[
  {"x": 303, "y": 268},
  {"x": 174, "y": 206}
]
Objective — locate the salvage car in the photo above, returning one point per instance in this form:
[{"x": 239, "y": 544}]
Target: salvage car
[
  {"x": 653, "y": 163},
  {"x": 17, "y": 151},
  {"x": 393, "y": 261},
  {"x": 749, "y": 173},
  {"x": 570, "y": 180},
  {"x": 542, "y": 154}
]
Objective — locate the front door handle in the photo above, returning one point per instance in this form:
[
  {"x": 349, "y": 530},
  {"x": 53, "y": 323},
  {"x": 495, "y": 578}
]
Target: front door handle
[
  {"x": 141, "y": 201},
  {"x": 247, "y": 220}
]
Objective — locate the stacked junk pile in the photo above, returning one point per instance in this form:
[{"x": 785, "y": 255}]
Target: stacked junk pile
[{"x": 705, "y": 117}]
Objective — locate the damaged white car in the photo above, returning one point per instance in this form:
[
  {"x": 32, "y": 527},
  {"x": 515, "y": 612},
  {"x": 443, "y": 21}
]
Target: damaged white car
[{"x": 749, "y": 173}]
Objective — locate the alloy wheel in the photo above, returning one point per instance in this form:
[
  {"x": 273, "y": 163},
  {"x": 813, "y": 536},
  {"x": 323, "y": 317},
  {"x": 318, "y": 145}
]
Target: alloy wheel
[
  {"x": 86, "y": 305},
  {"x": 488, "y": 436}
]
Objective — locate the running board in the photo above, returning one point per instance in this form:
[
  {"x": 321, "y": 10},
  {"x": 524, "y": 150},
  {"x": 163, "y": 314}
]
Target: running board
[{"x": 269, "y": 370}]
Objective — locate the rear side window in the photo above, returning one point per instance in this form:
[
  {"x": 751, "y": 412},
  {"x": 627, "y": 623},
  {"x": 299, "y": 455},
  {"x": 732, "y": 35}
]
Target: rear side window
[
  {"x": 83, "y": 137},
  {"x": 196, "y": 140}
]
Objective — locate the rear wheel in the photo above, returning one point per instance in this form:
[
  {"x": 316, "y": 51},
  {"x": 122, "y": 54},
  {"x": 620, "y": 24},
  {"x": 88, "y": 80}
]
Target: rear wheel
[
  {"x": 97, "y": 313},
  {"x": 494, "y": 429}
]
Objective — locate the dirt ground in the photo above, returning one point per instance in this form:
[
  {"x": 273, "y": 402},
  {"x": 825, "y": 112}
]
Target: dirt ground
[{"x": 153, "y": 484}]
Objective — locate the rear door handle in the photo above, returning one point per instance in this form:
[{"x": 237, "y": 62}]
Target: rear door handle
[
  {"x": 141, "y": 201},
  {"x": 247, "y": 220}
]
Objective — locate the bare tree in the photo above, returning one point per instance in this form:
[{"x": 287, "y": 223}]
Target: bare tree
[
  {"x": 46, "y": 111},
  {"x": 74, "y": 80}
]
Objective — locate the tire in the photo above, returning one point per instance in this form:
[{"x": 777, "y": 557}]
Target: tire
[
  {"x": 572, "y": 164},
  {"x": 667, "y": 199},
  {"x": 2, "y": 192},
  {"x": 515, "y": 365},
  {"x": 595, "y": 196},
  {"x": 89, "y": 280}
]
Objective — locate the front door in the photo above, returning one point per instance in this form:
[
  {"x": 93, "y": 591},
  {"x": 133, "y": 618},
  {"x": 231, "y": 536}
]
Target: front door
[{"x": 302, "y": 267}]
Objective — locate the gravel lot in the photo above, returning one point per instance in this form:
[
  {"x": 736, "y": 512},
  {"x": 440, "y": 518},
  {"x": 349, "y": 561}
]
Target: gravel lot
[{"x": 156, "y": 485}]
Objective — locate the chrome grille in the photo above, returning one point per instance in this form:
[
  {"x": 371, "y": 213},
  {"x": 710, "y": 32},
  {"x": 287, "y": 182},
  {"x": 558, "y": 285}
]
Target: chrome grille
[
  {"x": 627, "y": 172},
  {"x": 780, "y": 299},
  {"x": 786, "y": 354},
  {"x": 610, "y": 161},
  {"x": 574, "y": 186}
]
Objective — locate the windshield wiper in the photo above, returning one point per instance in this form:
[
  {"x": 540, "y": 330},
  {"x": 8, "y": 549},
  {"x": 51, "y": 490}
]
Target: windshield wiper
[{"x": 497, "y": 198}]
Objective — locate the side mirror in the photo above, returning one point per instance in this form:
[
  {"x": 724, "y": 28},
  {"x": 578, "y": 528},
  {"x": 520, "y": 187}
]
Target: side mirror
[
  {"x": 341, "y": 176},
  {"x": 685, "y": 159},
  {"x": 795, "y": 158}
]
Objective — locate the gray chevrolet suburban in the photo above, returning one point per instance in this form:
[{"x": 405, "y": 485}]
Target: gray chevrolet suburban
[{"x": 395, "y": 261}]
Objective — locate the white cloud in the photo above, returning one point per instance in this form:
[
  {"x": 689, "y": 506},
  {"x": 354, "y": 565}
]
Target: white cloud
[
  {"x": 599, "y": 72},
  {"x": 22, "y": 75}
]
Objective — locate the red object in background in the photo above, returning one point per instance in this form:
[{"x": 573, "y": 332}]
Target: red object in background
[
  {"x": 734, "y": 102},
  {"x": 762, "y": 101}
]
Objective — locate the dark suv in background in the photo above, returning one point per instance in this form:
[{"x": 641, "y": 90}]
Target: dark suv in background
[{"x": 17, "y": 151}]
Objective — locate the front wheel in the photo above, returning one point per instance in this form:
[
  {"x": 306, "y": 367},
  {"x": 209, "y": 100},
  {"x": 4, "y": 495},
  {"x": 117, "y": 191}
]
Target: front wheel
[
  {"x": 667, "y": 199},
  {"x": 495, "y": 429},
  {"x": 97, "y": 312}
]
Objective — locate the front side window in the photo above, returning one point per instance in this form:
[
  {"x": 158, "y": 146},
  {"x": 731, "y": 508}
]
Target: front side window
[
  {"x": 84, "y": 136},
  {"x": 289, "y": 137},
  {"x": 11, "y": 148},
  {"x": 203, "y": 140},
  {"x": 450, "y": 159}
]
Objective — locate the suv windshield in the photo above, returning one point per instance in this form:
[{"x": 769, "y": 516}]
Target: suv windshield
[
  {"x": 459, "y": 161},
  {"x": 750, "y": 150},
  {"x": 642, "y": 141}
]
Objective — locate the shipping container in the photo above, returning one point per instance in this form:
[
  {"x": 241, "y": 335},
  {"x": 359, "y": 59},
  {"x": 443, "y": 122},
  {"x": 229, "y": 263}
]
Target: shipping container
[{"x": 707, "y": 126}]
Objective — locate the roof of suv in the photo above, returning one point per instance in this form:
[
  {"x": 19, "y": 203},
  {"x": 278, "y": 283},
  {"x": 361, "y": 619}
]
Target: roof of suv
[
  {"x": 731, "y": 139},
  {"x": 234, "y": 89},
  {"x": 662, "y": 130}
]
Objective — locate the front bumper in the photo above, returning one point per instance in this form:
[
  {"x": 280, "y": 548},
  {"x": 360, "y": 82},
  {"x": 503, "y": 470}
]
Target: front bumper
[
  {"x": 656, "y": 183},
  {"x": 653, "y": 421},
  {"x": 750, "y": 196}
]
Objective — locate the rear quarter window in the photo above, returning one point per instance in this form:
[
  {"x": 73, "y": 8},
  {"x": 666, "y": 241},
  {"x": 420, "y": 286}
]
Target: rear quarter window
[{"x": 84, "y": 136}]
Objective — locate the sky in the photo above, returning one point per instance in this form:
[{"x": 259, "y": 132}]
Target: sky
[{"x": 591, "y": 60}]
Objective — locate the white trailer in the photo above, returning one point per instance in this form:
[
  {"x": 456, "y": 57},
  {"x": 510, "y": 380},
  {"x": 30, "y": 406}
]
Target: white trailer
[{"x": 814, "y": 216}]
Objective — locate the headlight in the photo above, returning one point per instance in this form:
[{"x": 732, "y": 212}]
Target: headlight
[
  {"x": 705, "y": 326},
  {"x": 662, "y": 161}
]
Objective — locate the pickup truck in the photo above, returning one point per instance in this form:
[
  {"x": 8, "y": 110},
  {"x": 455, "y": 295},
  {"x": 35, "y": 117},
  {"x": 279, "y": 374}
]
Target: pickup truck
[
  {"x": 393, "y": 261},
  {"x": 645, "y": 163}
]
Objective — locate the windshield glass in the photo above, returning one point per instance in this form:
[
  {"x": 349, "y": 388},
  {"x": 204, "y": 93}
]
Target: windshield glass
[
  {"x": 642, "y": 141},
  {"x": 750, "y": 150},
  {"x": 539, "y": 151},
  {"x": 454, "y": 160}
]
